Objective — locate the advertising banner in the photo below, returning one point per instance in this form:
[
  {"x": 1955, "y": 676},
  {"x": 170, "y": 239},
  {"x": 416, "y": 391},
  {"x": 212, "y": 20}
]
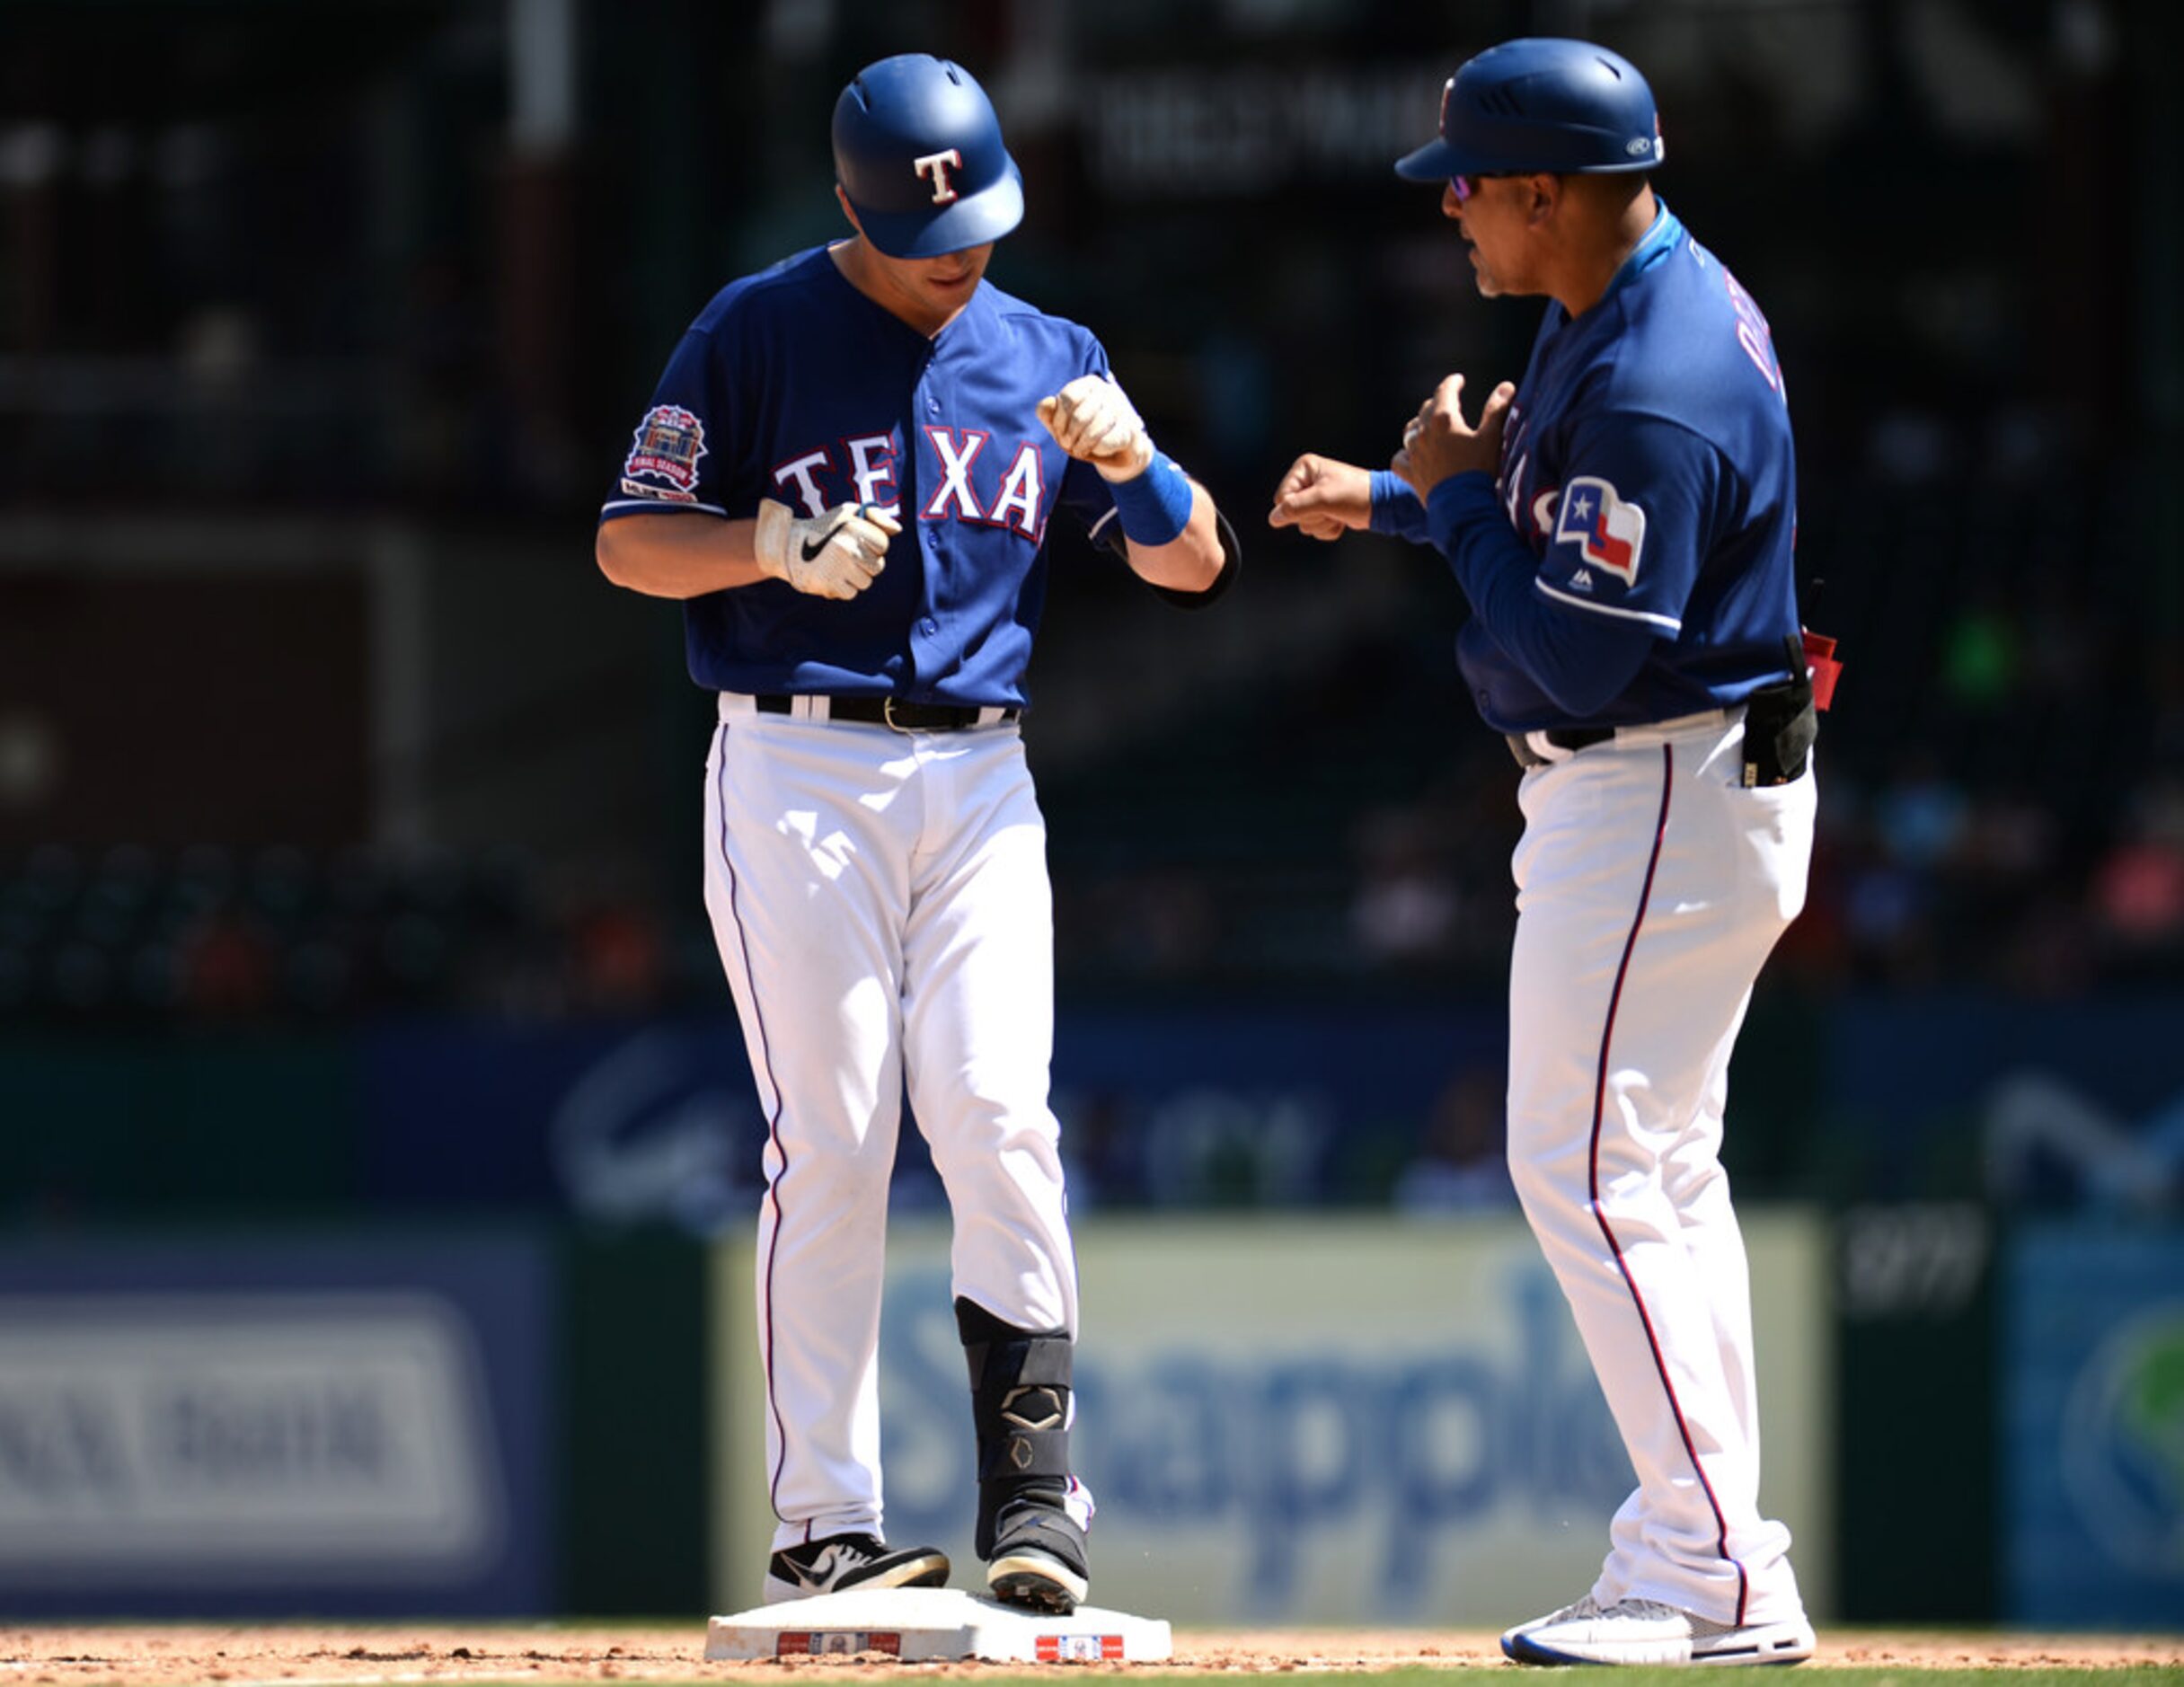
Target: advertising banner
[
  {"x": 659, "y": 1120},
  {"x": 2094, "y": 1427},
  {"x": 231, "y": 1426},
  {"x": 1305, "y": 1420}
]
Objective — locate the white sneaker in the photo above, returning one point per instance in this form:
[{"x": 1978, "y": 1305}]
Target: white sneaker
[
  {"x": 1789, "y": 1642},
  {"x": 1644, "y": 1631}
]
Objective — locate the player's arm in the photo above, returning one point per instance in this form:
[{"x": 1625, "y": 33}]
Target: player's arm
[
  {"x": 679, "y": 554},
  {"x": 1172, "y": 535},
  {"x": 1192, "y": 561},
  {"x": 1582, "y": 661},
  {"x": 669, "y": 533},
  {"x": 1324, "y": 498},
  {"x": 685, "y": 555},
  {"x": 1621, "y": 558}
]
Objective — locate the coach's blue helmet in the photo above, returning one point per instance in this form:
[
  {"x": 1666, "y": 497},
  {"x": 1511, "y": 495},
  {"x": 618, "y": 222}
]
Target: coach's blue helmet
[
  {"x": 1540, "y": 104},
  {"x": 918, "y": 153}
]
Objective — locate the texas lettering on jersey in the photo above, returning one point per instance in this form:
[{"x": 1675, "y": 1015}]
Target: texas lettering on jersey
[
  {"x": 966, "y": 483},
  {"x": 792, "y": 385}
]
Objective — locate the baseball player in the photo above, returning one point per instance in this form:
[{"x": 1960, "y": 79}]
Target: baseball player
[
  {"x": 1621, "y": 522},
  {"x": 846, "y": 475}
]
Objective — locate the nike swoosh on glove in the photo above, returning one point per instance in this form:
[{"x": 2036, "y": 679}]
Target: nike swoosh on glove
[{"x": 835, "y": 555}]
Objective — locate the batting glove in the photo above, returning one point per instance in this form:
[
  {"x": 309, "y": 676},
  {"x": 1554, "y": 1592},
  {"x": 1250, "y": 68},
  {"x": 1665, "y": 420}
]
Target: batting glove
[
  {"x": 1092, "y": 419},
  {"x": 835, "y": 555}
]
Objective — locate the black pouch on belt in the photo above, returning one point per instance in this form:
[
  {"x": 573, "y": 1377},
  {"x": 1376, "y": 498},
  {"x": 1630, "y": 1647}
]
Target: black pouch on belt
[{"x": 1780, "y": 725}]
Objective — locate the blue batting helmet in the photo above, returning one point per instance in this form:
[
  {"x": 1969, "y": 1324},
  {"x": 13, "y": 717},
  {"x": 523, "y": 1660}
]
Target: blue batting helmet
[
  {"x": 1542, "y": 104},
  {"x": 918, "y": 152}
]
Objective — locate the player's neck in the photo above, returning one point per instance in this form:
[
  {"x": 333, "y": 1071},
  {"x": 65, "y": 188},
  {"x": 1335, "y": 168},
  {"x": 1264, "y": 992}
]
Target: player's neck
[
  {"x": 1592, "y": 268},
  {"x": 862, "y": 269}
]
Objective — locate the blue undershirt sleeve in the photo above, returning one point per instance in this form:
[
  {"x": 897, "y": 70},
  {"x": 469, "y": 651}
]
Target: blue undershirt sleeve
[{"x": 1396, "y": 511}]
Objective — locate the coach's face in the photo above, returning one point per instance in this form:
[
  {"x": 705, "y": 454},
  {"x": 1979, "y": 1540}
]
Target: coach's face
[{"x": 1498, "y": 216}]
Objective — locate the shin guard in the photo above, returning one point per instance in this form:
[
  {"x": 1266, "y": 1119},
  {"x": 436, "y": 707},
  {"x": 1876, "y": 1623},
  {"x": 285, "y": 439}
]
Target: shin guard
[{"x": 1020, "y": 1402}]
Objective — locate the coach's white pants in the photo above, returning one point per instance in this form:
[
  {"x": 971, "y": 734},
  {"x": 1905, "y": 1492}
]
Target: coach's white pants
[
  {"x": 881, "y": 906},
  {"x": 1650, "y": 888}
]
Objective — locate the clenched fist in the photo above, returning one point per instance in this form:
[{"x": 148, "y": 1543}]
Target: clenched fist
[
  {"x": 1092, "y": 419},
  {"x": 835, "y": 555},
  {"x": 1323, "y": 497}
]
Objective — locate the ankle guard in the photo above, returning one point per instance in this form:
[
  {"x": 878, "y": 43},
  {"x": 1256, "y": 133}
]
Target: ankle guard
[{"x": 1019, "y": 1407}]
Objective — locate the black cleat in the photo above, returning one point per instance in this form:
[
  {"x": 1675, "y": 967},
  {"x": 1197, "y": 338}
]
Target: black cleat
[{"x": 1039, "y": 1560}]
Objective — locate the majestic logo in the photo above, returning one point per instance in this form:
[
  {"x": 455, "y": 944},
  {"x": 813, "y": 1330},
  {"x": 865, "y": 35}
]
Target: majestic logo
[
  {"x": 668, "y": 444},
  {"x": 1608, "y": 533},
  {"x": 937, "y": 165}
]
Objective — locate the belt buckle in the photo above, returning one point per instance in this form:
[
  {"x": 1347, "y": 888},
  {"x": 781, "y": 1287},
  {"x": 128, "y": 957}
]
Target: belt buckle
[{"x": 887, "y": 714}]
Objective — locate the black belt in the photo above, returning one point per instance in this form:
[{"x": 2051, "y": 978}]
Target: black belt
[
  {"x": 889, "y": 712},
  {"x": 1561, "y": 737}
]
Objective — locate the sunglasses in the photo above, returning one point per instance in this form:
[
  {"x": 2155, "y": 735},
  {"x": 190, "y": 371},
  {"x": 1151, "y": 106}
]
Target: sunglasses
[{"x": 1464, "y": 187}]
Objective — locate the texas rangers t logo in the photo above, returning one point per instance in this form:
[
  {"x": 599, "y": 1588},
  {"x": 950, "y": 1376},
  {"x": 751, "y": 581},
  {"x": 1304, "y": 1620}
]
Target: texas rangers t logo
[
  {"x": 1609, "y": 534},
  {"x": 937, "y": 165}
]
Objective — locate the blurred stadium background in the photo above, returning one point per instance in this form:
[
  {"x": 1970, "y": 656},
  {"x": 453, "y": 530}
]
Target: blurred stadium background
[{"x": 375, "y": 1139}]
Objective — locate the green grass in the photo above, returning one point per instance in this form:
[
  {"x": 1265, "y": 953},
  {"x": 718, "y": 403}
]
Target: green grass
[
  {"x": 1409, "y": 1675},
  {"x": 1803, "y": 1675}
]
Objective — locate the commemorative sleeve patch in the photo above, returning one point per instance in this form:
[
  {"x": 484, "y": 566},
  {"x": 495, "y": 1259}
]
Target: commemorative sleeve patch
[
  {"x": 1609, "y": 533},
  {"x": 663, "y": 460}
]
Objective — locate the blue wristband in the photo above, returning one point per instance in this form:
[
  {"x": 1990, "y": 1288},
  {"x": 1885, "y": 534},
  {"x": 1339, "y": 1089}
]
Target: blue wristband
[{"x": 1153, "y": 507}]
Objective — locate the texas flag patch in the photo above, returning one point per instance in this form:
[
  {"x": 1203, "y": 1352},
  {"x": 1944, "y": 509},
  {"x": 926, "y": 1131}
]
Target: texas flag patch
[{"x": 1608, "y": 533}]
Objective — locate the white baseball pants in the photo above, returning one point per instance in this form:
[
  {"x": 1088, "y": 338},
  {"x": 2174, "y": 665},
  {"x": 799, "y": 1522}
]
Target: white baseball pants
[
  {"x": 1650, "y": 888},
  {"x": 881, "y": 906}
]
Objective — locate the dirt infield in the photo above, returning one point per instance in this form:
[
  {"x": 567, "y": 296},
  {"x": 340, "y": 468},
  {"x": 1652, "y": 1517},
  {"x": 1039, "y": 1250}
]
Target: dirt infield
[{"x": 296, "y": 1656}]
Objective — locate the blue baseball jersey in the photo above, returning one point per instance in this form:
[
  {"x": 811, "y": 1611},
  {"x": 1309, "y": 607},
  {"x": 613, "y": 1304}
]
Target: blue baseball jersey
[
  {"x": 792, "y": 384},
  {"x": 1632, "y": 560}
]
